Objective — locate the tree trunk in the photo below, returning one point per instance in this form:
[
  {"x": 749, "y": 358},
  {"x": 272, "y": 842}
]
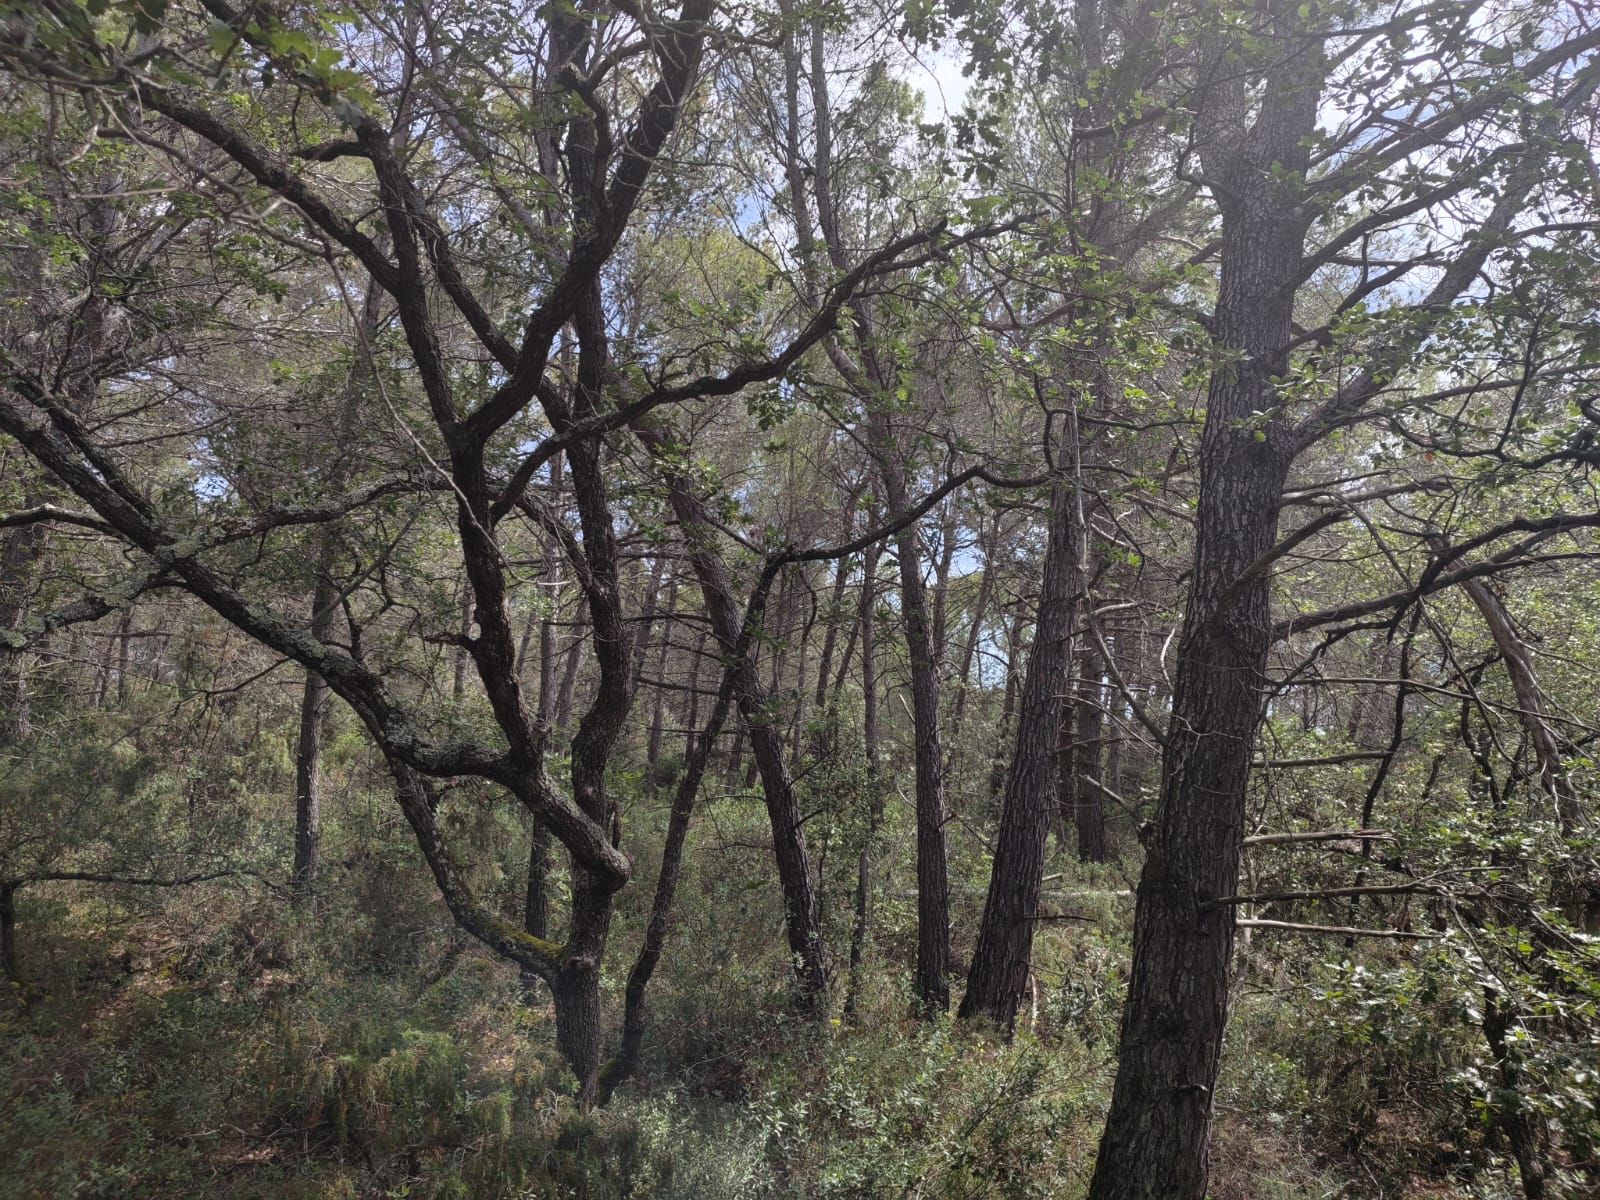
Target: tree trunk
[
  {"x": 1000, "y": 962},
  {"x": 860, "y": 927},
  {"x": 1158, "y": 1130},
  {"x": 802, "y": 912},
  {"x": 1008, "y": 706},
  {"x": 8, "y": 933},
  {"x": 1533, "y": 708},
  {"x": 1088, "y": 803},
  {"x": 658, "y": 707},
  {"x": 567, "y": 695},
  {"x": 1512, "y": 1113},
  {"x": 980, "y": 610},
  {"x": 536, "y": 897},
  {"x": 631, "y": 1048},
  {"x": 932, "y": 983}
]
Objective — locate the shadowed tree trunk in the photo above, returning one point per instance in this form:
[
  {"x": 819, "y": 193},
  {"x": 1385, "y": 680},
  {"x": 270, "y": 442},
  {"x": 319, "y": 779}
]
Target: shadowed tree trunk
[
  {"x": 1000, "y": 962},
  {"x": 861, "y": 926},
  {"x": 8, "y": 933}
]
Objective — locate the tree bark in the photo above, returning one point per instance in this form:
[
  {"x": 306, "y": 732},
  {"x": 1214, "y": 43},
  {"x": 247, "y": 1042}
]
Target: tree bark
[
  {"x": 1158, "y": 1130},
  {"x": 860, "y": 927},
  {"x": 1000, "y": 962}
]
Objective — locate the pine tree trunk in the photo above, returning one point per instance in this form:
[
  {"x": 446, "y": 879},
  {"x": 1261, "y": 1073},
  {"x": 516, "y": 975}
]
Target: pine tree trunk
[
  {"x": 1000, "y": 962},
  {"x": 860, "y": 927},
  {"x": 1158, "y": 1130}
]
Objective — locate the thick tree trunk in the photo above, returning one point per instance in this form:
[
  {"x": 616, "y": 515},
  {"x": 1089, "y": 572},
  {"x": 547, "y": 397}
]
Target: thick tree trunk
[{"x": 1000, "y": 962}]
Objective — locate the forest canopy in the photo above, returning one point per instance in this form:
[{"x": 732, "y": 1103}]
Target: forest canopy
[{"x": 766, "y": 599}]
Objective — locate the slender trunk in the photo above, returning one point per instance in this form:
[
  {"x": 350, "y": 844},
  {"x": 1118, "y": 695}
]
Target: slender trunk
[
  {"x": 941, "y": 571},
  {"x": 124, "y": 655},
  {"x": 980, "y": 610},
  {"x": 1008, "y": 707},
  {"x": 1001, "y": 960},
  {"x": 797, "y": 719},
  {"x": 536, "y": 898},
  {"x": 802, "y": 913},
  {"x": 20, "y": 555},
  {"x": 308, "y": 755},
  {"x": 932, "y": 982},
  {"x": 830, "y": 636},
  {"x": 1089, "y": 807},
  {"x": 458, "y": 682},
  {"x": 694, "y": 769},
  {"x": 658, "y": 707},
  {"x": 1533, "y": 708},
  {"x": 860, "y": 927},
  {"x": 694, "y": 692},
  {"x": 549, "y": 650},
  {"x": 1512, "y": 1113},
  {"x": 324, "y": 604},
  {"x": 568, "y": 692},
  {"x": 647, "y": 617},
  {"x": 1066, "y": 797}
]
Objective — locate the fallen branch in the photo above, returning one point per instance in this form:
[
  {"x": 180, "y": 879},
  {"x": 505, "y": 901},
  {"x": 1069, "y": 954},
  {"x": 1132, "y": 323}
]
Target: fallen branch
[
  {"x": 1390, "y": 889},
  {"x": 1320, "y": 835},
  {"x": 1336, "y": 930}
]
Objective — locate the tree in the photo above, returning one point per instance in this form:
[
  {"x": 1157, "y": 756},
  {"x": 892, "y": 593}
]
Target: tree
[
  {"x": 477, "y": 448},
  {"x": 1261, "y": 87}
]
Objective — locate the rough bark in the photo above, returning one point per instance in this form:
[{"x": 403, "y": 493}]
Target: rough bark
[
  {"x": 860, "y": 926},
  {"x": 1001, "y": 959},
  {"x": 1158, "y": 1130}
]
